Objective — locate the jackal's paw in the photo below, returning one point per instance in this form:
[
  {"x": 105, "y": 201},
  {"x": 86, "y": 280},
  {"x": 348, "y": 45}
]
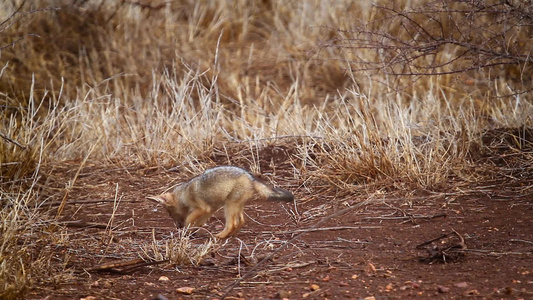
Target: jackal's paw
[{"x": 221, "y": 235}]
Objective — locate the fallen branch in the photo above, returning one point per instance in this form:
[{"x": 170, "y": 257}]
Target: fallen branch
[
  {"x": 325, "y": 229},
  {"x": 444, "y": 252},
  {"x": 93, "y": 202},
  {"x": 494, "y": 252},
  {"x": 77, "y": 224},
  {"x": 292, "y": 266},
  {"x": 408, "y": 217},
  {"x": 128, "y": 266},
  {"x": 520, "y": 241}
]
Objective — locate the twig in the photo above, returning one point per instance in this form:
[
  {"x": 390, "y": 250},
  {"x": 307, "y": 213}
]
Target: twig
[
  {"x": 292, "y": 266},
  {"x": 494, "y": 252},
  {"x": 85, "y": 224},
  {"x": 94, "y": 202},
  {"x": 5, "y": 137},
  {"x": 326, "y": 229},
  {"x": 114, "y": 265},
  {"x": 132, "y": 264},
  {"x": 447, "y": 252},
  {"x": 461, "y": 243},
  {"x": 520, "y": 241},
  {"x": 433, "y": 240},
  {"x": 407, "y": 217},
  {"x": 252, "y": 271}
]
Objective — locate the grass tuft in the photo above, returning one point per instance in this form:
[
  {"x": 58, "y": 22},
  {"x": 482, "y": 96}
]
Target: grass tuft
[{"x": 178, "y": 250}]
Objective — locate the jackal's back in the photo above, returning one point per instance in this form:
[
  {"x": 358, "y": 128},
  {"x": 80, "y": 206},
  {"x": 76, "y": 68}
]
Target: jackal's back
[{"x": 216, "y": 185}]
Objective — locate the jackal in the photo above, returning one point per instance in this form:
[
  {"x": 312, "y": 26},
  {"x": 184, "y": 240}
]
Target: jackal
[{"x": 192, "y": 203}]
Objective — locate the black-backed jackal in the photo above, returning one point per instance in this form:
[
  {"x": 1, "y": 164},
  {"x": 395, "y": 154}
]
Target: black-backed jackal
[{"x": 192, "y": 203}]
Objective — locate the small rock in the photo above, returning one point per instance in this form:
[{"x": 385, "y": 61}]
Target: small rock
[
  {"x": 314, "y": 287},
  {"x": 160, "y": 297},
  {"x": 186, "y": 290},
  {"x": 461, "y": 285},
  {"x": 163, "y": 278},
  {"x": 343, "y": 283},
  {"x": 442, "y": 289},
  {"x": 89, "y": 298}
]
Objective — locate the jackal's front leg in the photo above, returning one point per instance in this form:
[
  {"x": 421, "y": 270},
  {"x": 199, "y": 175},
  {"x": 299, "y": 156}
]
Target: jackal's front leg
[{"x": 198, "y": 216}]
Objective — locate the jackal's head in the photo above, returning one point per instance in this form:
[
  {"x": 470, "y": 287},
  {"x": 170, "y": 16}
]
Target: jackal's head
[{"x": 175, "y": 208}]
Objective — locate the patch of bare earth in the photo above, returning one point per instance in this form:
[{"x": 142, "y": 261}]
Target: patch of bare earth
[{"x": 474, "y": 240}]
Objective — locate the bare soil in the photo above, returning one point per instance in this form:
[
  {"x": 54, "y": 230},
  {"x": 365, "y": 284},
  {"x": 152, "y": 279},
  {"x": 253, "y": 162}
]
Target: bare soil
[{"x": 482, "y": 240}]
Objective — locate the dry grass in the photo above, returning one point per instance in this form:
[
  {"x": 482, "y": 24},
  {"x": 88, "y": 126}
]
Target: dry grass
[
  {"x": 177, "y": 250},
  {"x": 28, "y": 241},
  {"x": 164, "y": 84}
]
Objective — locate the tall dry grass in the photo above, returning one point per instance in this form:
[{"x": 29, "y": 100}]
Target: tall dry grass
[{"x": 159, "y": 83}]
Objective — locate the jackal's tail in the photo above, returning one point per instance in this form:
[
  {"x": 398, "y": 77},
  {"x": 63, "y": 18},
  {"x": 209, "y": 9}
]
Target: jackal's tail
[{"x": 271, "y": 192}]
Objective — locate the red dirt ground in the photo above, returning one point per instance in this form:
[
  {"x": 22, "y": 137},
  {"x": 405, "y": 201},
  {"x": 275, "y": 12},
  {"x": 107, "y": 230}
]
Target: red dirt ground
[{"x": 370, "y": 251}]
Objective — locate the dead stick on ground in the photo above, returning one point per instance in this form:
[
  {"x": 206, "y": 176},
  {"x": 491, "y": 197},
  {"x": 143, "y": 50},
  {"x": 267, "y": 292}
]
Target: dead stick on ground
[
  {"x": 119, "y": 264},
  {"x": 128, "y": 263},
  {"x": 433, "y": 240},
  {"x": 461, "y": 243},
  {"x": 94, "y": 202},
  {"x": 230, "y": 287},
  {"x": 408, "y": 217},
  {"x": 325, "y": 229},
  {"x": 520, "y": 241},
  {"x": 85, "y": 224}
]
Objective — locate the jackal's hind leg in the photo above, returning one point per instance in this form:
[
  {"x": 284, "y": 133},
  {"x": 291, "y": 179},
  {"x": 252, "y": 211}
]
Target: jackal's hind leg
[
  {"x": 234, "y": 221},
  {"x": 241, "y": 221}
]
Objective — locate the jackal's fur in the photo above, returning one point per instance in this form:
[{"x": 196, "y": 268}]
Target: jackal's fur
[{"x": 192, "y": 203}]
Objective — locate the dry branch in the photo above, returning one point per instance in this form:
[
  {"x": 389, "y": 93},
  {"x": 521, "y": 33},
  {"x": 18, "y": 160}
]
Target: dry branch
[
  {"x": 445, "y": 38},
  {"x": 325, "y": 229},
  {"x": 125, "y": 266},
  {"x": 85, "y": 225},
  {"x": 450, "y": 251}
]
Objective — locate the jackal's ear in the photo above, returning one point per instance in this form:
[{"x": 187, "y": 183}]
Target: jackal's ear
[{"x": 163, "y": 198}]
